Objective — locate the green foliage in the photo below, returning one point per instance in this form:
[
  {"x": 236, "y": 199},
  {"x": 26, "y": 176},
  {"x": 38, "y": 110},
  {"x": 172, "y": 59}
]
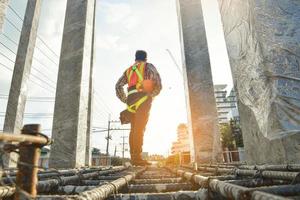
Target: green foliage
[
  {"x": 231, "y": 135},
  {"x": 117, "y": 161},
  {"x": 226, "y": 136}
]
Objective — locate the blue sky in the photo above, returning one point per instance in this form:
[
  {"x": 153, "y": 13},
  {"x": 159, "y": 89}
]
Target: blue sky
[{"x": 122, "y": 27}]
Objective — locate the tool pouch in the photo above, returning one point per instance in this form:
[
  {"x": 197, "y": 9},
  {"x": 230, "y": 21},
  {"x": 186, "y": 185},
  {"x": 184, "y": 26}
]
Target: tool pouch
[{"x": 125, "y": 117}]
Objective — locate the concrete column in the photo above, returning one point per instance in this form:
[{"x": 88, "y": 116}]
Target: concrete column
[
  {"x": 18, "y": 89},
  {"x": 202, "y": 113},
  {"x": 70, "y": 123},
  {"x": 263, "y": 42},
  {"x": 88, "y": 154},
  {"x": 3, "y": 6}
]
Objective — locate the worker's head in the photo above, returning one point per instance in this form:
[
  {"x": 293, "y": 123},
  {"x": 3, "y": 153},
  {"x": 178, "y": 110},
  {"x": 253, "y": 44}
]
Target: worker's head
[{"x": 140, "y": 55}]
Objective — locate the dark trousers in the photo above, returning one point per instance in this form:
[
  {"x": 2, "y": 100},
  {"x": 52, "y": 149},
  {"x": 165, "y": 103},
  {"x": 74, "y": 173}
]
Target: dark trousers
[{"x": 138, "y": 123}]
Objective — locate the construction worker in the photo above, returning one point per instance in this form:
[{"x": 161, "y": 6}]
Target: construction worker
[{"x": 144, "y": 83}]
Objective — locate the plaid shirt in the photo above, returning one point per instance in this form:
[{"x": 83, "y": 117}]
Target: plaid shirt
[{"x": 150, "y": 74}]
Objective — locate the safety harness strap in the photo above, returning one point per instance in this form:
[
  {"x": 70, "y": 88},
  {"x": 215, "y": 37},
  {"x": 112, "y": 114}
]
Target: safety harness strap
[
  {"x": 137, "y": 71},
  {"x": 133, "y": 108}
]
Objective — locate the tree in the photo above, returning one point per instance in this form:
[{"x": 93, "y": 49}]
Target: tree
[
  {"x": 226, "y": 136},
  {"x": 236, "y": 133}
]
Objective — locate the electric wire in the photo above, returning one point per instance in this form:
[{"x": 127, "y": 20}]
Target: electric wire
[{"x": 41, "y": 39}]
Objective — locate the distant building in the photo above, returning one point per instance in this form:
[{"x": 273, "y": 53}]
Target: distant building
[
  {"x": 182, "y": 144},
  {"x": 44, "y": 158},
  {"x": 226, "y": 104},
  {"x": 145, "y": 155},
  {"x": 233, "y": 112},
  {"x": 98, "y": 158}
]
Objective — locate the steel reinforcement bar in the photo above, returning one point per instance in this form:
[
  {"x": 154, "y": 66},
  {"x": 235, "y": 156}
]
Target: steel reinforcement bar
[
  {"x": 285, "y": 167},
  {"x": 281, "y": 175},
  {"x": 53, "y": 184},
  {"x": 54, "y": 173},
  {"x": 104, "y": 191},
  {"x": 231, "y": 191},
  {"x": 59, "y": 181}
]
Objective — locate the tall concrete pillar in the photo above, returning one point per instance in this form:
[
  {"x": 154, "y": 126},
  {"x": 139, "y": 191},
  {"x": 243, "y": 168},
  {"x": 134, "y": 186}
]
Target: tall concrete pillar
[
  {"x": 202, "y": 113},
  {"x": 263, "y": 42},
  {"x": 18, "y": 89},
  {"x": 3, "y": 6},
  {"x": 88, "y": 155},
  {"x": 70, "y": 123}
]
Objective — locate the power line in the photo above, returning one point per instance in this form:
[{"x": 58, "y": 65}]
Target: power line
[
  {"x": 8, "y": 58},
  {"x": 40, "y": 50},
  {"x": 7, "y": 37},
  {"x": 52, "y": 99},
  {"x": 11, "y": 70},
  {"x": 16, "y": 13},
  {"x": 20, "y": 18},
  {"x": 32, "y": 67},
  {"x": 15, "y": 43},
  {"x": 12, "y": 24},
  {"x": 6, "y": 67},
  {"x": 102, "y": 100}
]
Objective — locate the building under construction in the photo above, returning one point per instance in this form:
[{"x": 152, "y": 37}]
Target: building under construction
[{"x": 263, "y": 43}]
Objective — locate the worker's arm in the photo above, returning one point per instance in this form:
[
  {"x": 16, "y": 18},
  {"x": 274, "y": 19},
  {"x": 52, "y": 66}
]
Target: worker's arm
[
  {"x": 119, "y": 88},
  {"x": 155, "y": 77}
]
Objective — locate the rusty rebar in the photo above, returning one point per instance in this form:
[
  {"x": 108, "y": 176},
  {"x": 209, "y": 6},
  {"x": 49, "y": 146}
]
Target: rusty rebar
[
  {"x": 20, "y": 138},
  {"x": 282, "y": 190},
  {"x": 232, "y": 191},
  {"x": 6, "y": 191},
  {"x": 162, "y": 187},
  {"x": 54, "y": 173},
  {"x": 258, "y": 195},
  {"x": 53, "y": 184},
  {"x": 27, "y": 179},
  {"x": 282, "y": 175},
  {"x": 106, "y": 190},
  {"x": 191, "y": 195},
  {"x": 153, "y": 181}
]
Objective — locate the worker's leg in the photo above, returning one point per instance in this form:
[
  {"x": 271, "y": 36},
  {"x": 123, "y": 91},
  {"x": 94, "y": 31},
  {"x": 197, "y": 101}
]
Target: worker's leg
[
  {"x": 133, "y": 153},
  {"x": 138, "y": 128}
]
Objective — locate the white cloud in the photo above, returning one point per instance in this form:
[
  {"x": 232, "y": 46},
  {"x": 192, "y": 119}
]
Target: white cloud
[{"x": 114, "y": 12}]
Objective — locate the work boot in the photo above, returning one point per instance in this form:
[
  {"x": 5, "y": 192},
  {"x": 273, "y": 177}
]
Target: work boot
[{"x": 140, "y": 162}]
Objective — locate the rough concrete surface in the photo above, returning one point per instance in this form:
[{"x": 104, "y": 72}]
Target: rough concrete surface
[
  {"x": 202, "y": 112},
  {"x": 263, "y": 42},
  {"x": 3, "y": 6},
  {"x": 18, "y": 89},
  {"x": 70, "y": 123}
]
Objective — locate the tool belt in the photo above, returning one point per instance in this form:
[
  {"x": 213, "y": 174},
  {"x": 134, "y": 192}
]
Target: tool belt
[{"x": 126, "y": 115}]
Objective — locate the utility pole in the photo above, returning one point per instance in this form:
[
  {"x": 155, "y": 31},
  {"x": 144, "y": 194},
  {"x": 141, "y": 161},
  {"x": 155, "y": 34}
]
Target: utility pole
[
  {"x": 108, "y": 137},
  {"x": 115, "y": 154},
  {"x": 123, "y": 145}
]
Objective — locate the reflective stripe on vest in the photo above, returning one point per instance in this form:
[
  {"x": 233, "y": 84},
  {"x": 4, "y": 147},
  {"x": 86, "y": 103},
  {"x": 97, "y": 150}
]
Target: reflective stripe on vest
[{"x": 135, "y": 74}]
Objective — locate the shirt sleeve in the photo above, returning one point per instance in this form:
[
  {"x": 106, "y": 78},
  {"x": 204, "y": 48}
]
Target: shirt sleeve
[
  {"x": 154, "y": 76},
  {"x": 120, "y": 88}
]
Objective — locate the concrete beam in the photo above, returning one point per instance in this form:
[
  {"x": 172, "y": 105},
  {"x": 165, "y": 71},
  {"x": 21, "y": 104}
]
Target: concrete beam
[
  {"x": 202, "y": 113},
  {"x": 70, "y": 123},
  {"x": 18, "y": 89},
  {"x": 3, "y": 6},
  {"x": 263, "y": 42}
]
